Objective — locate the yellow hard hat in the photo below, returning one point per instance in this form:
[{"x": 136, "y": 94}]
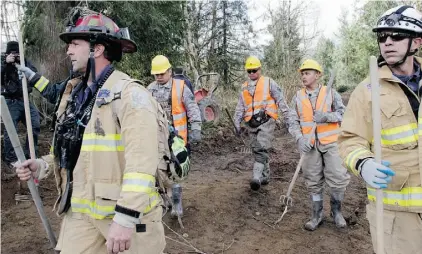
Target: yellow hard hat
[
  {"x": 310, "y": 64},
  {"x": 160, "y": 64},
  {"x": 252, "y": 63}
]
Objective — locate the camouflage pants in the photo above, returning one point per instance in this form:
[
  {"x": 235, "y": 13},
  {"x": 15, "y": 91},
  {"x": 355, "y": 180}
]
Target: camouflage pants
[{"x": 261, "y": 142}]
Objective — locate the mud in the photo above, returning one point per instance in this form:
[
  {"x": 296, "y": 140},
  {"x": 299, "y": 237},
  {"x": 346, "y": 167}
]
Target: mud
[{"x": 222, "y": 215}]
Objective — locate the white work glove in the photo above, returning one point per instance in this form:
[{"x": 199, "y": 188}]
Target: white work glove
[
  {"x": 375, "y": 174},
  {"x": 303, "y": 145},
  {"x": 29, "y": 74},
  {"x": 320, "y": 117},
  {"x": 10, "y": 58}
]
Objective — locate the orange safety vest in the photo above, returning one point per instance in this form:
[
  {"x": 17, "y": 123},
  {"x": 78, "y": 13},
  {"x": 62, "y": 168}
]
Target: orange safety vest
[
  {"x": 327, "y": 132},
  {"x": 261, "y": 99},
  {"x": 178, "y": 110}
]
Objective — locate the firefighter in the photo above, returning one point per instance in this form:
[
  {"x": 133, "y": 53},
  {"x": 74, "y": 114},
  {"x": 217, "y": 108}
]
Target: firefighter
[
  {"x": 106, "y": 146},
  {"x": 259, "y": 102},
  {"x": 399, "y": 32},
  {"x": 315, "y": 104}
]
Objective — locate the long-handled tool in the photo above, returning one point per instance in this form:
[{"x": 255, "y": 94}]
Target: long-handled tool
[
  {"x": 14, "y": 139},
  {"x": 376, "y": 122},
  {"x": 244, "y": 149},
  {"x": 286, "y": 200}
]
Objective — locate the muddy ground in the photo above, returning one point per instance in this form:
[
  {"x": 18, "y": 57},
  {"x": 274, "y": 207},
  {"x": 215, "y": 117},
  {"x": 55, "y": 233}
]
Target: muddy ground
[{"x": 222, "y": 215}]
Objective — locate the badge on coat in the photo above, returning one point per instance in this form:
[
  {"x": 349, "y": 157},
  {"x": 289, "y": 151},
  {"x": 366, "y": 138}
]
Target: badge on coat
[{"x": 103, "y": 93}]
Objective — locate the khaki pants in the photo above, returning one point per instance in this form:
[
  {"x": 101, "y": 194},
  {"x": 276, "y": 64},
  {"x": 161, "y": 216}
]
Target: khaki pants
[
  {"x": 323, "y": 164},
  {"x": 82, "y": 234},
  {"x": 402, "y": 231}
]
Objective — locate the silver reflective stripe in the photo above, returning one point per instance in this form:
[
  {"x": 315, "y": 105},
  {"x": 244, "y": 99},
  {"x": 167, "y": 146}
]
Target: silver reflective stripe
[
  {"x": 101, "y": 142},
  {"x": 179, "y": 116},
  {"x": 178, "y": 83},
  {"x": 398, "y": 195},
  {"x": 400, "y": 135},
  {"x": 266, "y": 89},
  {"x": 139, "y": 182},
  {"x": 328, "y": 133},
  {"x": 306, "y": 124},
  {"x": 181, "y": 128}
]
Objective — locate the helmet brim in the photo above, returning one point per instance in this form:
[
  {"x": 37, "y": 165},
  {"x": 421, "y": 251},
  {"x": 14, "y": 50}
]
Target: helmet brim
[{"x": 128, "y": 46}]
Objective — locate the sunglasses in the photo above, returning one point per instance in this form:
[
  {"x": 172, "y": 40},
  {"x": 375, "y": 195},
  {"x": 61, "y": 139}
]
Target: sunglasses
[
  {"x": 252, "y": 71},
  {"x": 382, "y": 37}
]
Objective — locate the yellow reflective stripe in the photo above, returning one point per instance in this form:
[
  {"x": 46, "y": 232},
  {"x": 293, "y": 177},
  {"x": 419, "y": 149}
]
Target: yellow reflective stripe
[
  {"x": 138, "y": 182},
  {"x": 407, "y": 197},
  {"x": 352, "y": 157},
  {"x": 400, "y": 135},
  {"x": 99, "y": 143},
  {"x": 94, "y": 210},
  {"x": 154, "y": 200},
  {"x": 102, "y": 148},
  {"x": 41, "y": 84}
]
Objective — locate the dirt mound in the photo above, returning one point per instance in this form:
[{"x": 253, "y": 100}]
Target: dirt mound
[{"x": 222, "y": 214}]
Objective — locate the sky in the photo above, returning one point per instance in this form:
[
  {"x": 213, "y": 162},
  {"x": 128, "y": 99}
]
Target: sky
[{"x": 325, "y": 12}]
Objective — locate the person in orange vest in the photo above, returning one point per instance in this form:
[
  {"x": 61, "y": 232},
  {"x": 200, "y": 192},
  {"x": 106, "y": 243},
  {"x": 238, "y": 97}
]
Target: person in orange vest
[
  {"x": 322, "y": 162},
  {"x": 259, "y": 102},
  {"x": 182, "y": 111}
]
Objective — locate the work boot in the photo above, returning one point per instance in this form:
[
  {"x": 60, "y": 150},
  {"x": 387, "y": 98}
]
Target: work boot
[
  {"x": 176, "y": 209},
  {"x": 317, "y": 213},
  {"x": 336, "y": 199},
  {"x": 258, "y": 168},
  {"x": 265, "y": 179}
]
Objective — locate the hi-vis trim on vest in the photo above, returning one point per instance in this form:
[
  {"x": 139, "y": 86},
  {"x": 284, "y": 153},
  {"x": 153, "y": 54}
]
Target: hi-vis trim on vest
[
  {"x": 99, "y": 212},
  {"x": 106, "y": 143},
  {"x": 41, "y": 84},
  {"x": 178, "y": 110},
  {"x": 351, "y": 159},
  {"x": 407, "y": 197},
  {"x": 400, "y": 135},
  {"x": 138, "y": 182},
  {"x": 261, "y": 100}
]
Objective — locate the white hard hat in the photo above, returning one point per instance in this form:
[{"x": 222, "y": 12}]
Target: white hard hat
[{"x": 402, "y": 18}]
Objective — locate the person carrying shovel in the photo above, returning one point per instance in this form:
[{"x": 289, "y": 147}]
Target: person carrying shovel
[
  {"x": 259, "y": 102},
  {"x": 399, "y": 32},
  {"x": 318, "y": 104}
]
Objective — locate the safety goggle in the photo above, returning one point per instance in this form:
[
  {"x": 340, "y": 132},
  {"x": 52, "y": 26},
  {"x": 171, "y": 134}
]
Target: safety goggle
[
  {"x": 252, "y": 71},
  {"x": 395, "y": 36}
]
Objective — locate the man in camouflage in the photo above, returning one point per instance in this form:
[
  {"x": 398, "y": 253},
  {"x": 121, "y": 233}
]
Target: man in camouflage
[
  {"x": 321, "y": 162},
  {"x": 259, "y": 102},
  {"x": 182, "y": 111}
]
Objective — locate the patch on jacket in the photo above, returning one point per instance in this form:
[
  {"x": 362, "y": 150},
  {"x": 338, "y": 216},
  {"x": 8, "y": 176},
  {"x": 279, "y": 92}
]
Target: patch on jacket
[{"x": 103, "y": 93}]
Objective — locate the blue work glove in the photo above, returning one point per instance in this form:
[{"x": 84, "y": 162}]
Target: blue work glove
[
  {"x": 303, "y": 145},
  {"x": 195, "y": 136},
  {"x": 375, "y": 174},
  {"x": 320, "y": 117}
]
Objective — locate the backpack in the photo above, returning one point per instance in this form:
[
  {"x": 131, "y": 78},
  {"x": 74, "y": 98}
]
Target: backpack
[{"x": 174, "y": 156}]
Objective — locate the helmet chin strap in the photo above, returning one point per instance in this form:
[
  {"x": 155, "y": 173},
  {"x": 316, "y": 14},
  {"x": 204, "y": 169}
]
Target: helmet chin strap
[
  {"x": 381, "y": 60},
  {"x": 90, "y": 67}
]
